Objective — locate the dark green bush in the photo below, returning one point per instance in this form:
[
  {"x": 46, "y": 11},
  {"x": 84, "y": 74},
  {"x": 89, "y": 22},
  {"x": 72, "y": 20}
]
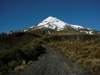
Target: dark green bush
[
  {"x": 97, "y": 41},
  {"x": 33, "y": 51},
  {"x": 12, "y": 58},
  {"x": 16, "y": 47}
]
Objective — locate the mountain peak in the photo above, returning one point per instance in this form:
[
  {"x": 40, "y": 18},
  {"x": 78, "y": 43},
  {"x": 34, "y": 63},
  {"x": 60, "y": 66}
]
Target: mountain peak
[
  {"x": 49, "y": 18},
  {"x": 56, "y": 24},
  {"x": 53, "y": 23}
]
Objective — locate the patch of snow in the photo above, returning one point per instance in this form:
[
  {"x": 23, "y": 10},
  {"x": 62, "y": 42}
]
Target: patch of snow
[
  {"x": 91, "y": 32},
  {"x": 76, "y": 26},
  {"x": 49, "y": 18},
  {"x": 49, "y": 32},
  {"x": 25, "y": 30}
]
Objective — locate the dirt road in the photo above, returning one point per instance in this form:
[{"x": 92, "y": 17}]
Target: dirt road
[{"x": 53, "y": 62}]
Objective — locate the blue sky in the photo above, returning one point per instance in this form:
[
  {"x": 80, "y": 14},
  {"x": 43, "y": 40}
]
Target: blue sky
[{"x": 21, "y": 14}]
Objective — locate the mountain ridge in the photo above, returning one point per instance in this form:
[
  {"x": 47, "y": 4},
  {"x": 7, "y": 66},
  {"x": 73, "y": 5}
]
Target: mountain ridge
[{"x": 54, "y": 23}]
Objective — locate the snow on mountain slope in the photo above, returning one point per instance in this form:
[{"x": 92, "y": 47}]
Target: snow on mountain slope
[
  {"x": 51, "y": 22},
  {"x": 82, "y": 29},
  {"x": 54, "y": 23},
  {"x": 76, "y": 26}
]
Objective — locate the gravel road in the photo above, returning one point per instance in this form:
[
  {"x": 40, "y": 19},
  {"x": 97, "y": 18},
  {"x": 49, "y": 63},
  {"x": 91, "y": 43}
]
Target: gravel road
[{"x": 53, "y": 62}]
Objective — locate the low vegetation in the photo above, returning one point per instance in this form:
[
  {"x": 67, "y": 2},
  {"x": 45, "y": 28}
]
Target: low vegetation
[
  {"x": 8, "y": 41},
  {"x": 16, "y": 60},
  {"x": 85, "y": 54},
  {"x": 17, "y": 51}
]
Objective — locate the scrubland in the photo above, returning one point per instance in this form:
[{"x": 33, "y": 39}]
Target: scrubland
[
  {"x": 17, "y": 51},
  {"x": 84, "y": 54}
]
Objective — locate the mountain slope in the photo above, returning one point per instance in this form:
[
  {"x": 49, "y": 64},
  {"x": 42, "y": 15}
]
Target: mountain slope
[{"x": 56, "y": 24}]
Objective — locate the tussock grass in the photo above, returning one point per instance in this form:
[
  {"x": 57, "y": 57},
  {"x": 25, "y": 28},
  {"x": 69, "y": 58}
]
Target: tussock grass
[
  {"x": 20, "y": 68},
  {"x": 85, "y": 54},
  {"x": 30, "y": 62}
]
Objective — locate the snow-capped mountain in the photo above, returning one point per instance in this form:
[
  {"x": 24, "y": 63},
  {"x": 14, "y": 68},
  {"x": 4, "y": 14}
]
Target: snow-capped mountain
[
  {"x": 54, "y": 23},
  {"x": 51, "y": 22}
]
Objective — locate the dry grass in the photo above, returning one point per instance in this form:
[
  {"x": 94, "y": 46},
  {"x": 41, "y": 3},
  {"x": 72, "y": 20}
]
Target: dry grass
[
  {"x": 62, "y": 33},
  {"x": 23, "y": 62},
  {"x": 30, "y": 62},
  {"x": 85, "y": 54},
  {"x": 20, "y": 68},
  {"x": 95, "y": 66}
]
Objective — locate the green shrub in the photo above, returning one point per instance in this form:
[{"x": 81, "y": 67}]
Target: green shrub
[
  {"x": 33, "y": 51},
  {"x": 97, "y": 41},
  {"x": 16, "y": 47}
]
